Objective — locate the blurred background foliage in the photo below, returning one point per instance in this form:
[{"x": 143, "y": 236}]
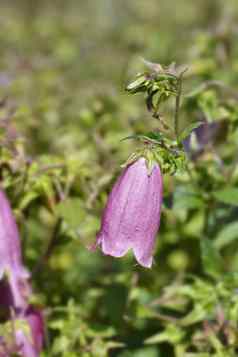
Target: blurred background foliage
[{"x": 63, "y": 111}]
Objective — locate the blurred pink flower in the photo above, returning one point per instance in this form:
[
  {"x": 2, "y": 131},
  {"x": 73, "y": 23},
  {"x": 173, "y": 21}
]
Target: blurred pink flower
[
  {"x": 30, "y": 344},
  {"x": 11, "y": 266},
  {"x": 15, "y": 290},
  {"x": 131, "y": 218}
]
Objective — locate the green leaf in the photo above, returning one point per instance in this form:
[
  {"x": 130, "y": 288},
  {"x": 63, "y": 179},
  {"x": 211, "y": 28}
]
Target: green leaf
[
  {"x": 154, "y": 136},
  {"x": 197, "y": 354},
  {"x": 208, "y": 103},
  {"x": 27, "y": 199},
  {"x": 227, "y": 235},
  {"x": 142, "y": 352},
  {"x": 184, "y": 199},
  {"x": 211, "y": 259},
  {"x": 150, "y": 137},
  {"x": 172, "y": 334},
  {"x": 198, "y": 314},
  {"x": 139, "y": 85},
  {"x": 187, "y": 131},
  {"x": 72, "y": 211},
  {"x": 228, "y": 195},
  {"x": 129, "y": 137},
  {"x": 230, "y": 280}
]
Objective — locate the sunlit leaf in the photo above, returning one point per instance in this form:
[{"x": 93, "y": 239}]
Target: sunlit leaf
[
  {"x": 211, "y": 259},
  {"x": 228, "y": 195},
  {"x": 227, "y": 235}
]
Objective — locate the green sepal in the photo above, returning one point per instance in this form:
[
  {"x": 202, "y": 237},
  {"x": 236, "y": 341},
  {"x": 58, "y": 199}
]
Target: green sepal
[
  {"x": 153, "y": 138},
  {"x": 138, "y": 85}
]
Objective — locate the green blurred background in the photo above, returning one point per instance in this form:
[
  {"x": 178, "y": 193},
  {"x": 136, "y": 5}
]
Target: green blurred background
[{"x": 64, "y": 66}]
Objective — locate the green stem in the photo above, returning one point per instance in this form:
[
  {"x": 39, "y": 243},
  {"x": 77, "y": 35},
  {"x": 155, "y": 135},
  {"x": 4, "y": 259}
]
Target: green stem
[
  {"x": 50, "y": 247},
  {"x": 177, "y": 104},
  {"x": 177, "y": 107}
]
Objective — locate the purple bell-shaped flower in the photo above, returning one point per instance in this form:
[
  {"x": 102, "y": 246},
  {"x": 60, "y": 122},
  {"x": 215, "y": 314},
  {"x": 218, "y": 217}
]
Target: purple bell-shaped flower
[{"x": 131, "y": 218}]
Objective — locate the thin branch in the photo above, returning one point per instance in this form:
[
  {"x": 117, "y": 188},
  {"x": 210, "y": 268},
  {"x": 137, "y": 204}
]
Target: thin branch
[
  {"x": 50, "y": 247},
  {"x": 177, "y": 103},
  {"x": 213, "y": 84}
]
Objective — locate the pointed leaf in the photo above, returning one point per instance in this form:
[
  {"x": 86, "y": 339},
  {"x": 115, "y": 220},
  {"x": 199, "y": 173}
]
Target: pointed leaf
[
  {"x": 187, "y": 131},
  {"x": 227, "y": 235},
  {"x": 211, "y": 259},
  {"x": 228, "y": 195}
]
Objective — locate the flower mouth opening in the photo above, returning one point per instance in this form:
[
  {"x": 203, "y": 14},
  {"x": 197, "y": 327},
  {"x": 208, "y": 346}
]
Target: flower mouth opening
[{"x": 119, "y": 252}]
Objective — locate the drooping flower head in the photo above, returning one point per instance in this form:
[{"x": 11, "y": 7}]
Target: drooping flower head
[{"x": 131, "y": 218}]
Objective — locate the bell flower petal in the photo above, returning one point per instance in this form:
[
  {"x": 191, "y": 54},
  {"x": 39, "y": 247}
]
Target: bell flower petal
[
  {"x": 30, "y": 344},
  {"x": 15, "y": 291},
  {"x": 131, "y": 218},
  {"x": 11, "y": 266}
]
